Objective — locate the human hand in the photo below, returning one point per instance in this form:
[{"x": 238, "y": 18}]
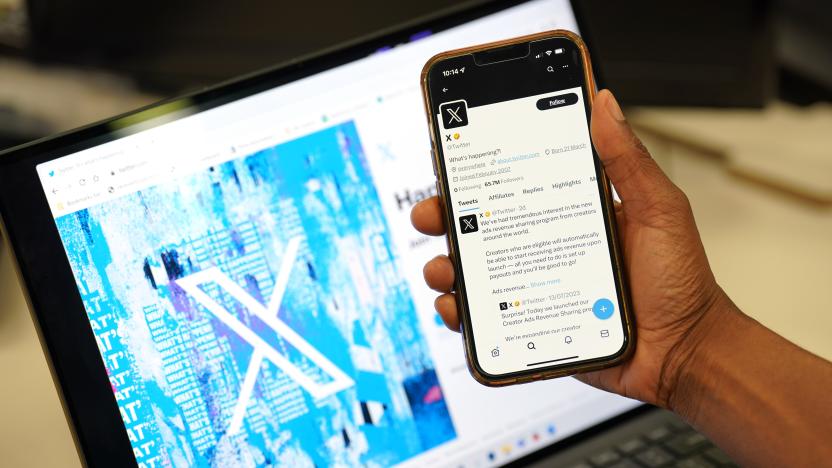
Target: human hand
[{"x": 675, "y": 297}]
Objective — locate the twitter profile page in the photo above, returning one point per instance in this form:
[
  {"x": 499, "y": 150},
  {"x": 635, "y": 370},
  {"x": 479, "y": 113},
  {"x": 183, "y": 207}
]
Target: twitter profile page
[{"x": 530, "y": 227}]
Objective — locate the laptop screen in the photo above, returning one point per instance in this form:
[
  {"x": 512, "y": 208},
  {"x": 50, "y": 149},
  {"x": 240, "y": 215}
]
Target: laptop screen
[{"x": 255, "y": 287}]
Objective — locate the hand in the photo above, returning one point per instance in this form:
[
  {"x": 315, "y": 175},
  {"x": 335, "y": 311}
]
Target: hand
[{"x": 674, "y": 294}]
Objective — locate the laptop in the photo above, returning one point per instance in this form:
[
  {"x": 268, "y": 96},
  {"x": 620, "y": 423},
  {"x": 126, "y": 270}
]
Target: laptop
[{"x": 231, "y": 279}]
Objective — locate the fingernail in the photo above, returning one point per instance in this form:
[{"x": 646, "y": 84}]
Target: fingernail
[{"x": 614, "y": 109}]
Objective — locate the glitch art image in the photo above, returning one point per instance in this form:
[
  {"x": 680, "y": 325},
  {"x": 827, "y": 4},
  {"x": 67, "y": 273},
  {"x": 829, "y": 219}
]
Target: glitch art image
[{"x": 254, "y": 314}]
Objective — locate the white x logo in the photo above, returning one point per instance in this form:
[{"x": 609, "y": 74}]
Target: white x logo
[
  {"x": 263, "y": 350},
  {"x": 454, "y": 114}
]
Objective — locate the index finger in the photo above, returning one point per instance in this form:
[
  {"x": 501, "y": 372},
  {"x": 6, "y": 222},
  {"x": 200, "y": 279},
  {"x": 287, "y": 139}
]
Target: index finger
[{"x": 426, "y": 217}]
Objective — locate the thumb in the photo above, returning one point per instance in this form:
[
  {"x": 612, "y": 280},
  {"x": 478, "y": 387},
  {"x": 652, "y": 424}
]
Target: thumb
[{"x": 637, "y": 178}]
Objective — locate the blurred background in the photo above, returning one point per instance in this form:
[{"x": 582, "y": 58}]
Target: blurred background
[
  {"x": 65, "y": 64},
  {"x": 732, "y": 98}
]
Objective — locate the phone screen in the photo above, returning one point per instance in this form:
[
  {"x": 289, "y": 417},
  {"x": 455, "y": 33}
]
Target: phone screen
[{"x": 525, "y": 206}]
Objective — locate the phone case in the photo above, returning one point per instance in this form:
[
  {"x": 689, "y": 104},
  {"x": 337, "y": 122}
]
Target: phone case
[{"x": 465, "y": 322}]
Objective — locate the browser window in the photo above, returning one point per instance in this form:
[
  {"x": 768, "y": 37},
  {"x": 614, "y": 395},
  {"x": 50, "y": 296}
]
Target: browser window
[{"x": 254, "y": 284}]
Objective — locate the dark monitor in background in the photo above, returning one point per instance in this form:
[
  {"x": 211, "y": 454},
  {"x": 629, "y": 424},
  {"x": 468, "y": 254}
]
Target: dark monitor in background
[
  {"x": 705, "y": 53},
  {"x": 171, "y": 46},
  {"x": 803, "y": 43},
  {"x": 653, "y": 52}
]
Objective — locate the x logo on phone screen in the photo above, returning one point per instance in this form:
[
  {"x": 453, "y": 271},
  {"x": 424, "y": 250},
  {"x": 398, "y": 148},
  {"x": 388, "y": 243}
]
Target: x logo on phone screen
[
  {"x": 468, "y": 224},
  {"x": 454, "y": 114}
]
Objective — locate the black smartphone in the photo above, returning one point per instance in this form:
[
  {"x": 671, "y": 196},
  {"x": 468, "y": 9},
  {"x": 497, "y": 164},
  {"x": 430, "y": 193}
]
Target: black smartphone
[{"x": 529, "y": 210}]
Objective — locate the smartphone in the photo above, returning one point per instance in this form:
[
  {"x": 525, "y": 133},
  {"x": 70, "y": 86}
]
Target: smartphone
[{"x": 529, "y": 211}]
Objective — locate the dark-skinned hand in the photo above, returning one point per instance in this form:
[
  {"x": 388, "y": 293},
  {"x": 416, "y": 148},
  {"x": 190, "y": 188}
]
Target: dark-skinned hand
[{"x": 674, "y": 294}]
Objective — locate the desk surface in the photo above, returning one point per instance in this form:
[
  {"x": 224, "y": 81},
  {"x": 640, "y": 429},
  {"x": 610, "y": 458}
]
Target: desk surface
[{"x": 770, "y": 252}]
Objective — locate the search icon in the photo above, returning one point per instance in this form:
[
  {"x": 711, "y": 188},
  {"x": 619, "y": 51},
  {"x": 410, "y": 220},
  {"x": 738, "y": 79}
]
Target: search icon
[
  {"x": 550, "y": 69},
  {"x": 530, "y": 345}
]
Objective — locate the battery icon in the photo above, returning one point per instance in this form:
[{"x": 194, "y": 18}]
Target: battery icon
[{"x": 559, "y": 51}]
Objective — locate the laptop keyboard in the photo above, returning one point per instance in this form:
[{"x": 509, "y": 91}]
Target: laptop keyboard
[
  {"x": 655, "y": 439},
  {"x": 673, "y": 444}
]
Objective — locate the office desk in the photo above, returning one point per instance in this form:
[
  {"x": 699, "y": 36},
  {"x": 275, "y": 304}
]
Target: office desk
[
  {"x": 769, "y": 248},
  {"x": 760, "y": 183}
]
